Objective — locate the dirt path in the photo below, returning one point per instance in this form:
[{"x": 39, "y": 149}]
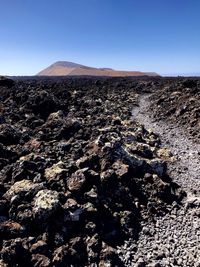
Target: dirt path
[
  {"x": 172, "y": 240},
  {"x": 186, "y": 170}
]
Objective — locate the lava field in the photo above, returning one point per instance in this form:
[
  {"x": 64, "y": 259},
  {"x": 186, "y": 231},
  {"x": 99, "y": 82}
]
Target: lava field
[{"x": 78, "y": 175}]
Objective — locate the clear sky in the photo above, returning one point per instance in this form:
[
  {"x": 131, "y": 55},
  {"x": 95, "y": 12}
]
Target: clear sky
[{"x": 146, "y": 35}]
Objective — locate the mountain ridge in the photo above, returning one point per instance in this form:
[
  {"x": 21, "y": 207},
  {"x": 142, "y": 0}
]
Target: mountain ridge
[{"x": 67, "y": 68}]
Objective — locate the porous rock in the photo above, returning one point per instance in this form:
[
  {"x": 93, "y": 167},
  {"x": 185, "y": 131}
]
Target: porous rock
[{"x": 45, "y": 204}]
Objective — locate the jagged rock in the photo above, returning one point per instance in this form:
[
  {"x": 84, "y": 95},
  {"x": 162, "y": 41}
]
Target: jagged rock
[
  {"x": 108, "y": 177},
  {"x": 121, "y": 170},
  {"x": 77, "y": 180},
  {"x": 179, "y": 105},
  {"x": 40, "y": 247},
  {"x": 74, "y": 215},
  {"x": 45, "y": 204},
  {"x": 70, "y": 204},
  {"x": 7, "y": 153},
  {"x": 89, "y": 208},
  {"x": 93, "y": 248},
  {"x": 33, "y": 144},
  {"x": 92, "y": 194},
  {"x": 164, "y": 153},
  {"x": 57, "y": 128},
  {"x": 78, "y": 175},
  {"x": 55, "y": 176},
  {"x": 11, "y": 229},
  {"x": 43, "y": 103},
  {"x": 72, "y": 210},
  {"x": 158, "y": 166},
  {"x": 109, "y": 257},
  {"x": 91, "y": 161},
  {"x": 6, "y": 82},
  {"x": 11, "y": 250},
  {"x": 23, "y": 188},
  {"x": 73, "y": 254},
  {"x": 54, "y": 171},
  {"x": 59, "y": 115},
  {"x": 39, "y": 260},
  {"x": 9, "y": 135}
]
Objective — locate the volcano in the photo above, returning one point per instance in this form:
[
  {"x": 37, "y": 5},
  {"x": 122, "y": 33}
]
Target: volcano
[{"x": 65, "y": 68}]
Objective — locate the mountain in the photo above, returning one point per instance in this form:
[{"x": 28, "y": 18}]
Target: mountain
[{"x": 65, "y": 68}]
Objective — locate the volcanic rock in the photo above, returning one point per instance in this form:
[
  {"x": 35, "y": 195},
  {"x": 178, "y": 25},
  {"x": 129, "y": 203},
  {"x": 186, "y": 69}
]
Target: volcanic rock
[
  {"x": 5, "y": 82},
  {"x": 45, "y": 204},
  {"x": 78, "y": 175},
  {"x": 22, "y": 188}
]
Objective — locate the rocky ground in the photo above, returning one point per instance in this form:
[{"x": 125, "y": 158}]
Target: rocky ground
[
  {"x": 172, "y": 239},
  {"x": 82, "y": 183},
  {"x": 177, "y": 101}
]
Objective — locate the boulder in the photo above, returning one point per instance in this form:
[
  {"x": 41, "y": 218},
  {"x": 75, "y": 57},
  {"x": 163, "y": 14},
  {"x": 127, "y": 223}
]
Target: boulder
[
  {"x": 77, "y": 181},
  {"x": 9, "y": 135},
  {"x": 11, "y": 229},
  {"x": 55, "y": 171},
  {"x": 45, "y": 204},
  {"x": 23, "y": 188}
]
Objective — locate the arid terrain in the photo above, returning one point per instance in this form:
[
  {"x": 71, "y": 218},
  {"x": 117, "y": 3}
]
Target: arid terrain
[{"x": 99, "y": 172}]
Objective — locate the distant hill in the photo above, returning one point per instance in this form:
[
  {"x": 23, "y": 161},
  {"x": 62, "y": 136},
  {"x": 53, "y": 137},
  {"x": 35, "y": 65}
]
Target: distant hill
[{"x": 65, "y": 68}]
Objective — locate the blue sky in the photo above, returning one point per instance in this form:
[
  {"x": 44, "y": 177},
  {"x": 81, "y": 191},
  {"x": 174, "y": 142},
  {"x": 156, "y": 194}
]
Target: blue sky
[{"x": 146, "y": 35}]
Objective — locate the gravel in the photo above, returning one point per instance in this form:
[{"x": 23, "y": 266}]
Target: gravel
[{"x": 172, "y": 239}]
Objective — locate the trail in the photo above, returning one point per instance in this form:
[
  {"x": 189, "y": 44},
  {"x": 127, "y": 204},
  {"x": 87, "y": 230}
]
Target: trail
[
  {"x": 173, "y": 239},
  {"x": 186, "y": 170}
]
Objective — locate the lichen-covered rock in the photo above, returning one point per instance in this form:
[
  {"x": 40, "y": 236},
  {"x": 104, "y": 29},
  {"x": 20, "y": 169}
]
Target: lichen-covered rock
[
  {"x": 164, "y": 154},
  {"x": 77, "y": 181},
  {"x": 54, "y": 171},
  {"x": 23, "y": 188},
  {"x": 45, "y": 204},
  {"x": 56, "y": 176}
]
